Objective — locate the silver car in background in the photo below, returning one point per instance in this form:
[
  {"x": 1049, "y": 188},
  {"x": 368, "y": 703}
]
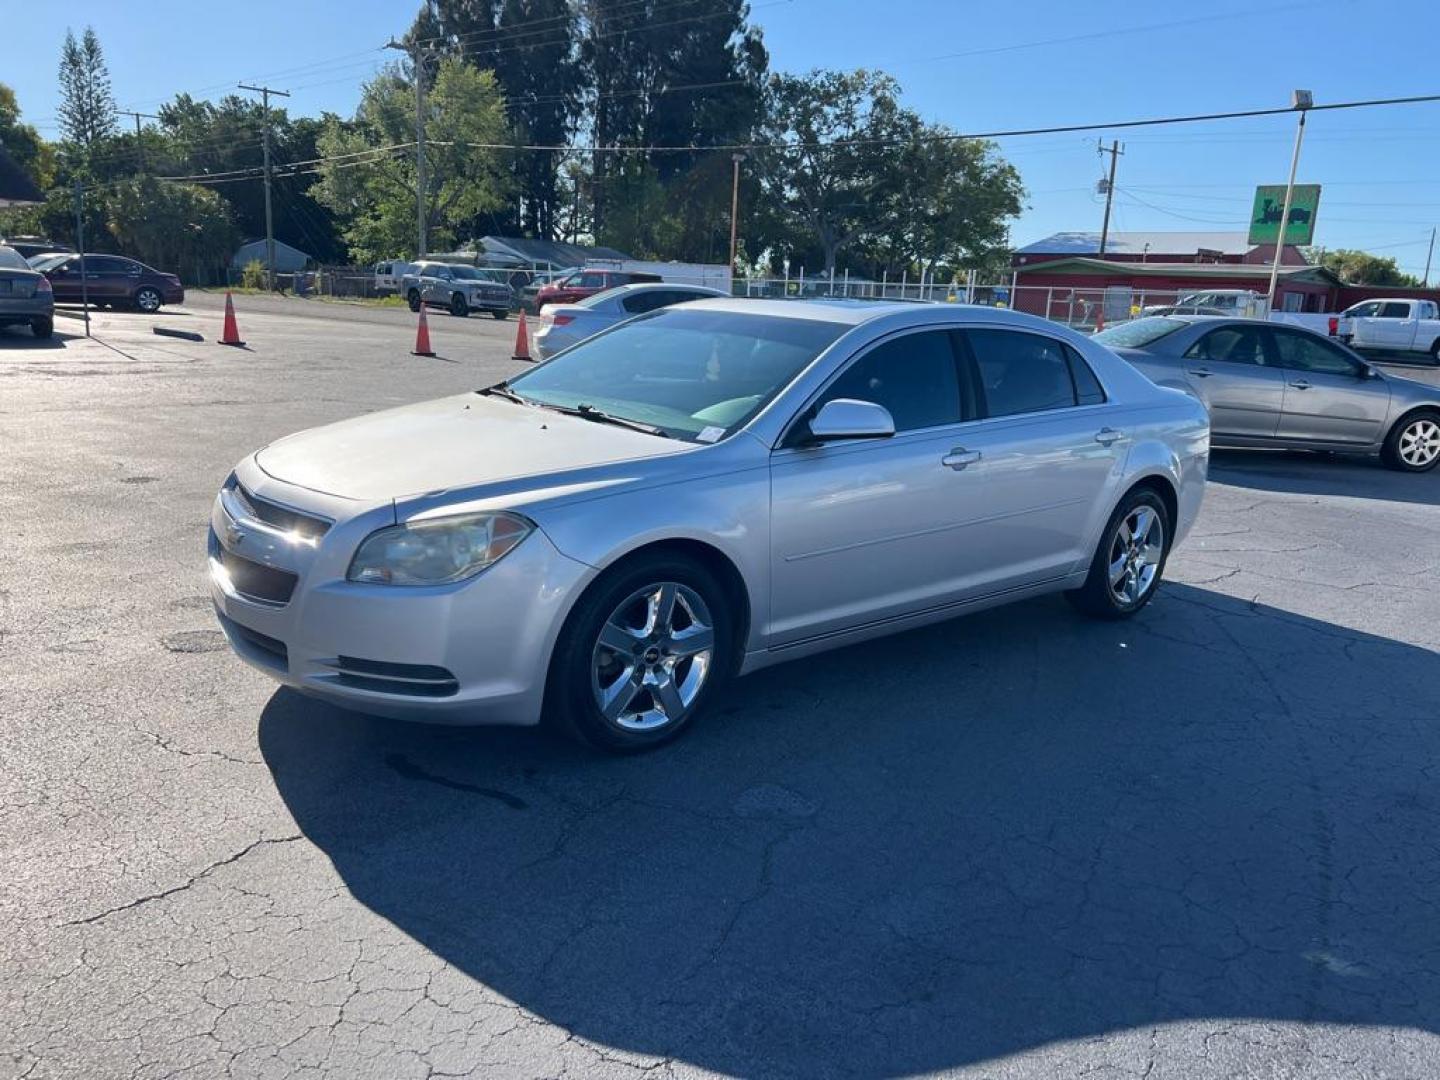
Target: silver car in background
[
  {"x": 1269, "y": 385},
  {"x": 562, "y": 325},
  {"x": 698, "y": 493},
  {"x": 458, "y": 289}
]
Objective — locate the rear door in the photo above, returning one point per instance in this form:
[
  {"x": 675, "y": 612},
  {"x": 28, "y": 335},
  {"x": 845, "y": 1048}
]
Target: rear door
[
  {"x": 1233, "y": 375},
  {"x": 1328, "y": 394},
  {"x": 1395, "y": 325},
  {"x": 1361, "y": 323}
]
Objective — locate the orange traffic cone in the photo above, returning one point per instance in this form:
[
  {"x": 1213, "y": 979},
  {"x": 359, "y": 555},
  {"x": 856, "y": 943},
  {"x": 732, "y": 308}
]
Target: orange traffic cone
[
  {"x": 522, "y": 341},
  {"x": 230, "y": 335},
  {"x": 422, "y": 337}
]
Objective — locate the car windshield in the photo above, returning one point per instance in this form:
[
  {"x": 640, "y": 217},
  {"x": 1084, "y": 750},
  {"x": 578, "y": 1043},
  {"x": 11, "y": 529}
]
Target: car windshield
[
  {"x": 466, "y": 273},
  {"x": 695, "y": 374},
  {"x": 1138, "y": 332},
  {"x": 45, "y": 262},
  {"x": 594, "y": 299}
]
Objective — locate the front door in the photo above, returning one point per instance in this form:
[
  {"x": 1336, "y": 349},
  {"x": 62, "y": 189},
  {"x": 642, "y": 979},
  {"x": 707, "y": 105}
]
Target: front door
[
  {"x": 1328, "y": 394},
  {"x": 1233, "y": 375},
  {"x": 864, "y": 531}
]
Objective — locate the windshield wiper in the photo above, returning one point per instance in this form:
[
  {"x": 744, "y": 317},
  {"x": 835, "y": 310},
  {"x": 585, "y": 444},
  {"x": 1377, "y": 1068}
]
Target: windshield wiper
[
  {"x": 501, "y": 390},
  {"x": 589, "y": 412}
]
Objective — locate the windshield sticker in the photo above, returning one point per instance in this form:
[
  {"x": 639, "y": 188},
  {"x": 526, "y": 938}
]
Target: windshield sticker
[{"x": 710, "y": 434}]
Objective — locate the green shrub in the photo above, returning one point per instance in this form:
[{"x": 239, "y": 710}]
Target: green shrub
[{"x": 253, "y": 276}]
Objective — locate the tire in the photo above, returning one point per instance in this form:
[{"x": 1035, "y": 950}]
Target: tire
[
  {"x": 1111, "y": 594},
  {"x": 42, "y": 328},
  {"x": 458, "y": 307},
  {"x": 500, "y": 316},
  {"x": 1413, "y": 444},
  {"x": 1435, "y": 352},
  {"x": 413, "y": 299},
  {"x": 657, "y": 681},
  {"x": 148, "y": 299}
]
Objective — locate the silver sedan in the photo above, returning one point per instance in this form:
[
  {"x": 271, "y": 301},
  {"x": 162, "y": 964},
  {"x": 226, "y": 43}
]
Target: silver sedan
[
  {"x": 562, "y": 325},
  {"x": 1283, "y": 386},
  {"x": 607, "y": 539}
]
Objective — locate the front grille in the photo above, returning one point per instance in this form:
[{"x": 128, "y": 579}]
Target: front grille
[
  {"x": 253, "y": 580},
  {"x": 380, "y": 676},
  {"x": 271, "y": 647},
  {"x": 279, "y": 516}
]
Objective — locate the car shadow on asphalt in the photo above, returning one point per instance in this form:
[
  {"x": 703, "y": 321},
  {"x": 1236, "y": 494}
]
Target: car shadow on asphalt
[
  {"x": 929, "y": 851},
  {"x": 20, "y": 337},
  {"x": 1298, "y": 472}
]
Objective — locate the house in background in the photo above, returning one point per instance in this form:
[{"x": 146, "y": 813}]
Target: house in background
[
  {"x": 1161, "y": 247},
  {"x": 287, "y": 259}
]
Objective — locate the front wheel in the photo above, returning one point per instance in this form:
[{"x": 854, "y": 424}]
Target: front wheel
[
  {"x": 458, "y": 307},
  {"x": 1130, "y": 560},
  {"x": 642, "y": 654},
  {"x": 1413, "y": 445},
  {"x": 413, "y": 299},
  {"x": 500, "y": 315}
]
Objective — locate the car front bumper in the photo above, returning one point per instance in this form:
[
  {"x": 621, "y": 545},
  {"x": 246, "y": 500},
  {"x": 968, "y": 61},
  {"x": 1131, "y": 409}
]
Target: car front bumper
[{"x": 476, "y": 652}]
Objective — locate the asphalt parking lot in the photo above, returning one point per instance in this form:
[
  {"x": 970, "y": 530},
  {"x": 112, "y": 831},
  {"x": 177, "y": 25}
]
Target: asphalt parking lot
[{"x": 1202, "y": 843}]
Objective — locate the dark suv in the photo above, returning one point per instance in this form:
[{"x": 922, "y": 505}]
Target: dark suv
[{"x": 109, "y": 280}]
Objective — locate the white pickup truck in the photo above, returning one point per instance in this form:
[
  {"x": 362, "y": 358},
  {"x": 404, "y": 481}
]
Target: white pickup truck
[{"x": 1391, "y": 325}]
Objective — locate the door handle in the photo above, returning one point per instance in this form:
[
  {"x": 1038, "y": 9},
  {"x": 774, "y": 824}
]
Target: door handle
[
  {"x": 958, "y": 458},
  {"x": 1106, "y": 436},
  {"x": 1300, "y": 384},
  {"x": 1200, "y": 372}
]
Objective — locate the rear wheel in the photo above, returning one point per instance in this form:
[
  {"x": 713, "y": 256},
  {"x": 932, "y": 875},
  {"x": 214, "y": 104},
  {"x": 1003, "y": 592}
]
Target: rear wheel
[
  {"x": 1130, "y": 560},
  {"x": 458, "y": 306},
  {"x": 413, "y": 299},
  {"x": 43, "y": 327},
  {"x": 642, "y": 654},
  {"x": 1413, "y": 444},
  {"x": 148, "y": 299}
]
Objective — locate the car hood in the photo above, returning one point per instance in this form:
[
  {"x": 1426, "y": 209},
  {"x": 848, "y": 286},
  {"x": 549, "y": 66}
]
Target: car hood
[{"x": 455, "y": 442}]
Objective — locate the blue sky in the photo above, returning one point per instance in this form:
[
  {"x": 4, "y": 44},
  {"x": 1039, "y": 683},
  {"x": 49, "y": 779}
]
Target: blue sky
[{"x": 974, "y": 66}]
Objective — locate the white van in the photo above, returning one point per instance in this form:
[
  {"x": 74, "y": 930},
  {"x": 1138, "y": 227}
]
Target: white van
[{"x": 388, "y": 276}]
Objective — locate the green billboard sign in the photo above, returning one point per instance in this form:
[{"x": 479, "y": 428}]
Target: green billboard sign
[{"x": 1270, "y": 204}]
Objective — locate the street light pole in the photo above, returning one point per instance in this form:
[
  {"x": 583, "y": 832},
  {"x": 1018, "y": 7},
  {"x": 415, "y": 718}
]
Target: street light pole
[
  {"x": 735, "y": 208},
  {"x": 417, "y": 60},
  {"x": 1425, "y": 282},
  {"x": 265, "y": 92},
  {"x": 1303, "y": 101}
]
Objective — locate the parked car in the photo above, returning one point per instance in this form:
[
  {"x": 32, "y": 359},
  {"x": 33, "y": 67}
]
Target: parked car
[
  {"x": 702, "y": 491},
  {"x": 1392, "y": 325},
  {"x": 579, "y": 284},
  {"x": 458, "y": 289},
  {"x": 109, "y": 280},
  {"x": 530, "y": 291},
  {"x": 1238, "y": 303},
  {"x": 1271, "y": 385},
  {"x": 562, "y": 325},
  {"x": 390, "y": 275},
  {"x": 28, "y": 246},
  {"x": 25, "y": 296}
]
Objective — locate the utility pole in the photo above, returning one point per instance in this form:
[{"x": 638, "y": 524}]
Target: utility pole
[
  {"x": 1425, "y": 282},
  {"x": 735, "y": 208},
  {"x": 265, "y": 92},
  {"x": 418, "y": 56},
  {"x": 1114, "y": 153},
  {"x": 139, "y": 139},
  {"x": 80, "y": 249},
  {"x": 1300, "y": 100}
]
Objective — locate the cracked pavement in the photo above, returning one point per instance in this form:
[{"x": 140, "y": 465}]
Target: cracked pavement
[{"x": 1202, "y": 843}]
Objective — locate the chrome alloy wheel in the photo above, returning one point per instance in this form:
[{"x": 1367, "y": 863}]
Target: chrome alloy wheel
[
  {"x": 1419, "y": 443},
  {"x": 1135, "y": 555},
  {"x": 653, "y": 656}
]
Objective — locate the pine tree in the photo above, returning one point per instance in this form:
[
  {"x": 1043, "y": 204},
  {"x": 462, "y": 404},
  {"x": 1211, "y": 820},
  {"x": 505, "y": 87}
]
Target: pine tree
[{"x": 87, "y": 107}]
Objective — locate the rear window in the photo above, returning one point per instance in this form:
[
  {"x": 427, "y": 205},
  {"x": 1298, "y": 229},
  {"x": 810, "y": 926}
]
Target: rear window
[
  {"x": 1139, "y": 332},
  {"x": 10, "y": 259}
]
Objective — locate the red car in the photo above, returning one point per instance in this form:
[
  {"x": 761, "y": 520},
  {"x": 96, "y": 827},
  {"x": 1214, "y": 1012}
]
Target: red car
[
  {"x": 109, "y": 279},
  {"x": 583, "y": 283}
]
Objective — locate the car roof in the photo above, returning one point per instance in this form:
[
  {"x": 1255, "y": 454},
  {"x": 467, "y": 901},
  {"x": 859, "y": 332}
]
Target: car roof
[{"x": 859, "y": 312}]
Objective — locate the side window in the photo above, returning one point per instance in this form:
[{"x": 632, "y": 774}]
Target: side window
[
  {"x": 913, "y": 376},
  {"x": 1231, "y": 345},
  {"x": 645, "y": 301},
  {"x": 105, "y": 264},
  {"x": 1088, "y": 390},
  {"x": 1302, "y": 352},
  {"x": 1395, "y": 310},
  {"x": 1364, "y": 311},
  {"x": 590, "y": 281},
  {"x": 1021, "y": 373}
]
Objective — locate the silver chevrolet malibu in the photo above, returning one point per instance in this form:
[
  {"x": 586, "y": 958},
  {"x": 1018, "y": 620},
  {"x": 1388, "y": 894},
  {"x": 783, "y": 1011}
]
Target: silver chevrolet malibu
[{"x": 700, "y": 492}]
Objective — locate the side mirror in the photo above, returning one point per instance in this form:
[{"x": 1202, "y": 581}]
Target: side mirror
[
  {"x": 1369, "y": 372},
  {"x": 846, "y": 418}
]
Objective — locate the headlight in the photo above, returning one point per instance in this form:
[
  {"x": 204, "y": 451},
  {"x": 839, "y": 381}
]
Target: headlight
[{"x": 438, "y": 551}]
